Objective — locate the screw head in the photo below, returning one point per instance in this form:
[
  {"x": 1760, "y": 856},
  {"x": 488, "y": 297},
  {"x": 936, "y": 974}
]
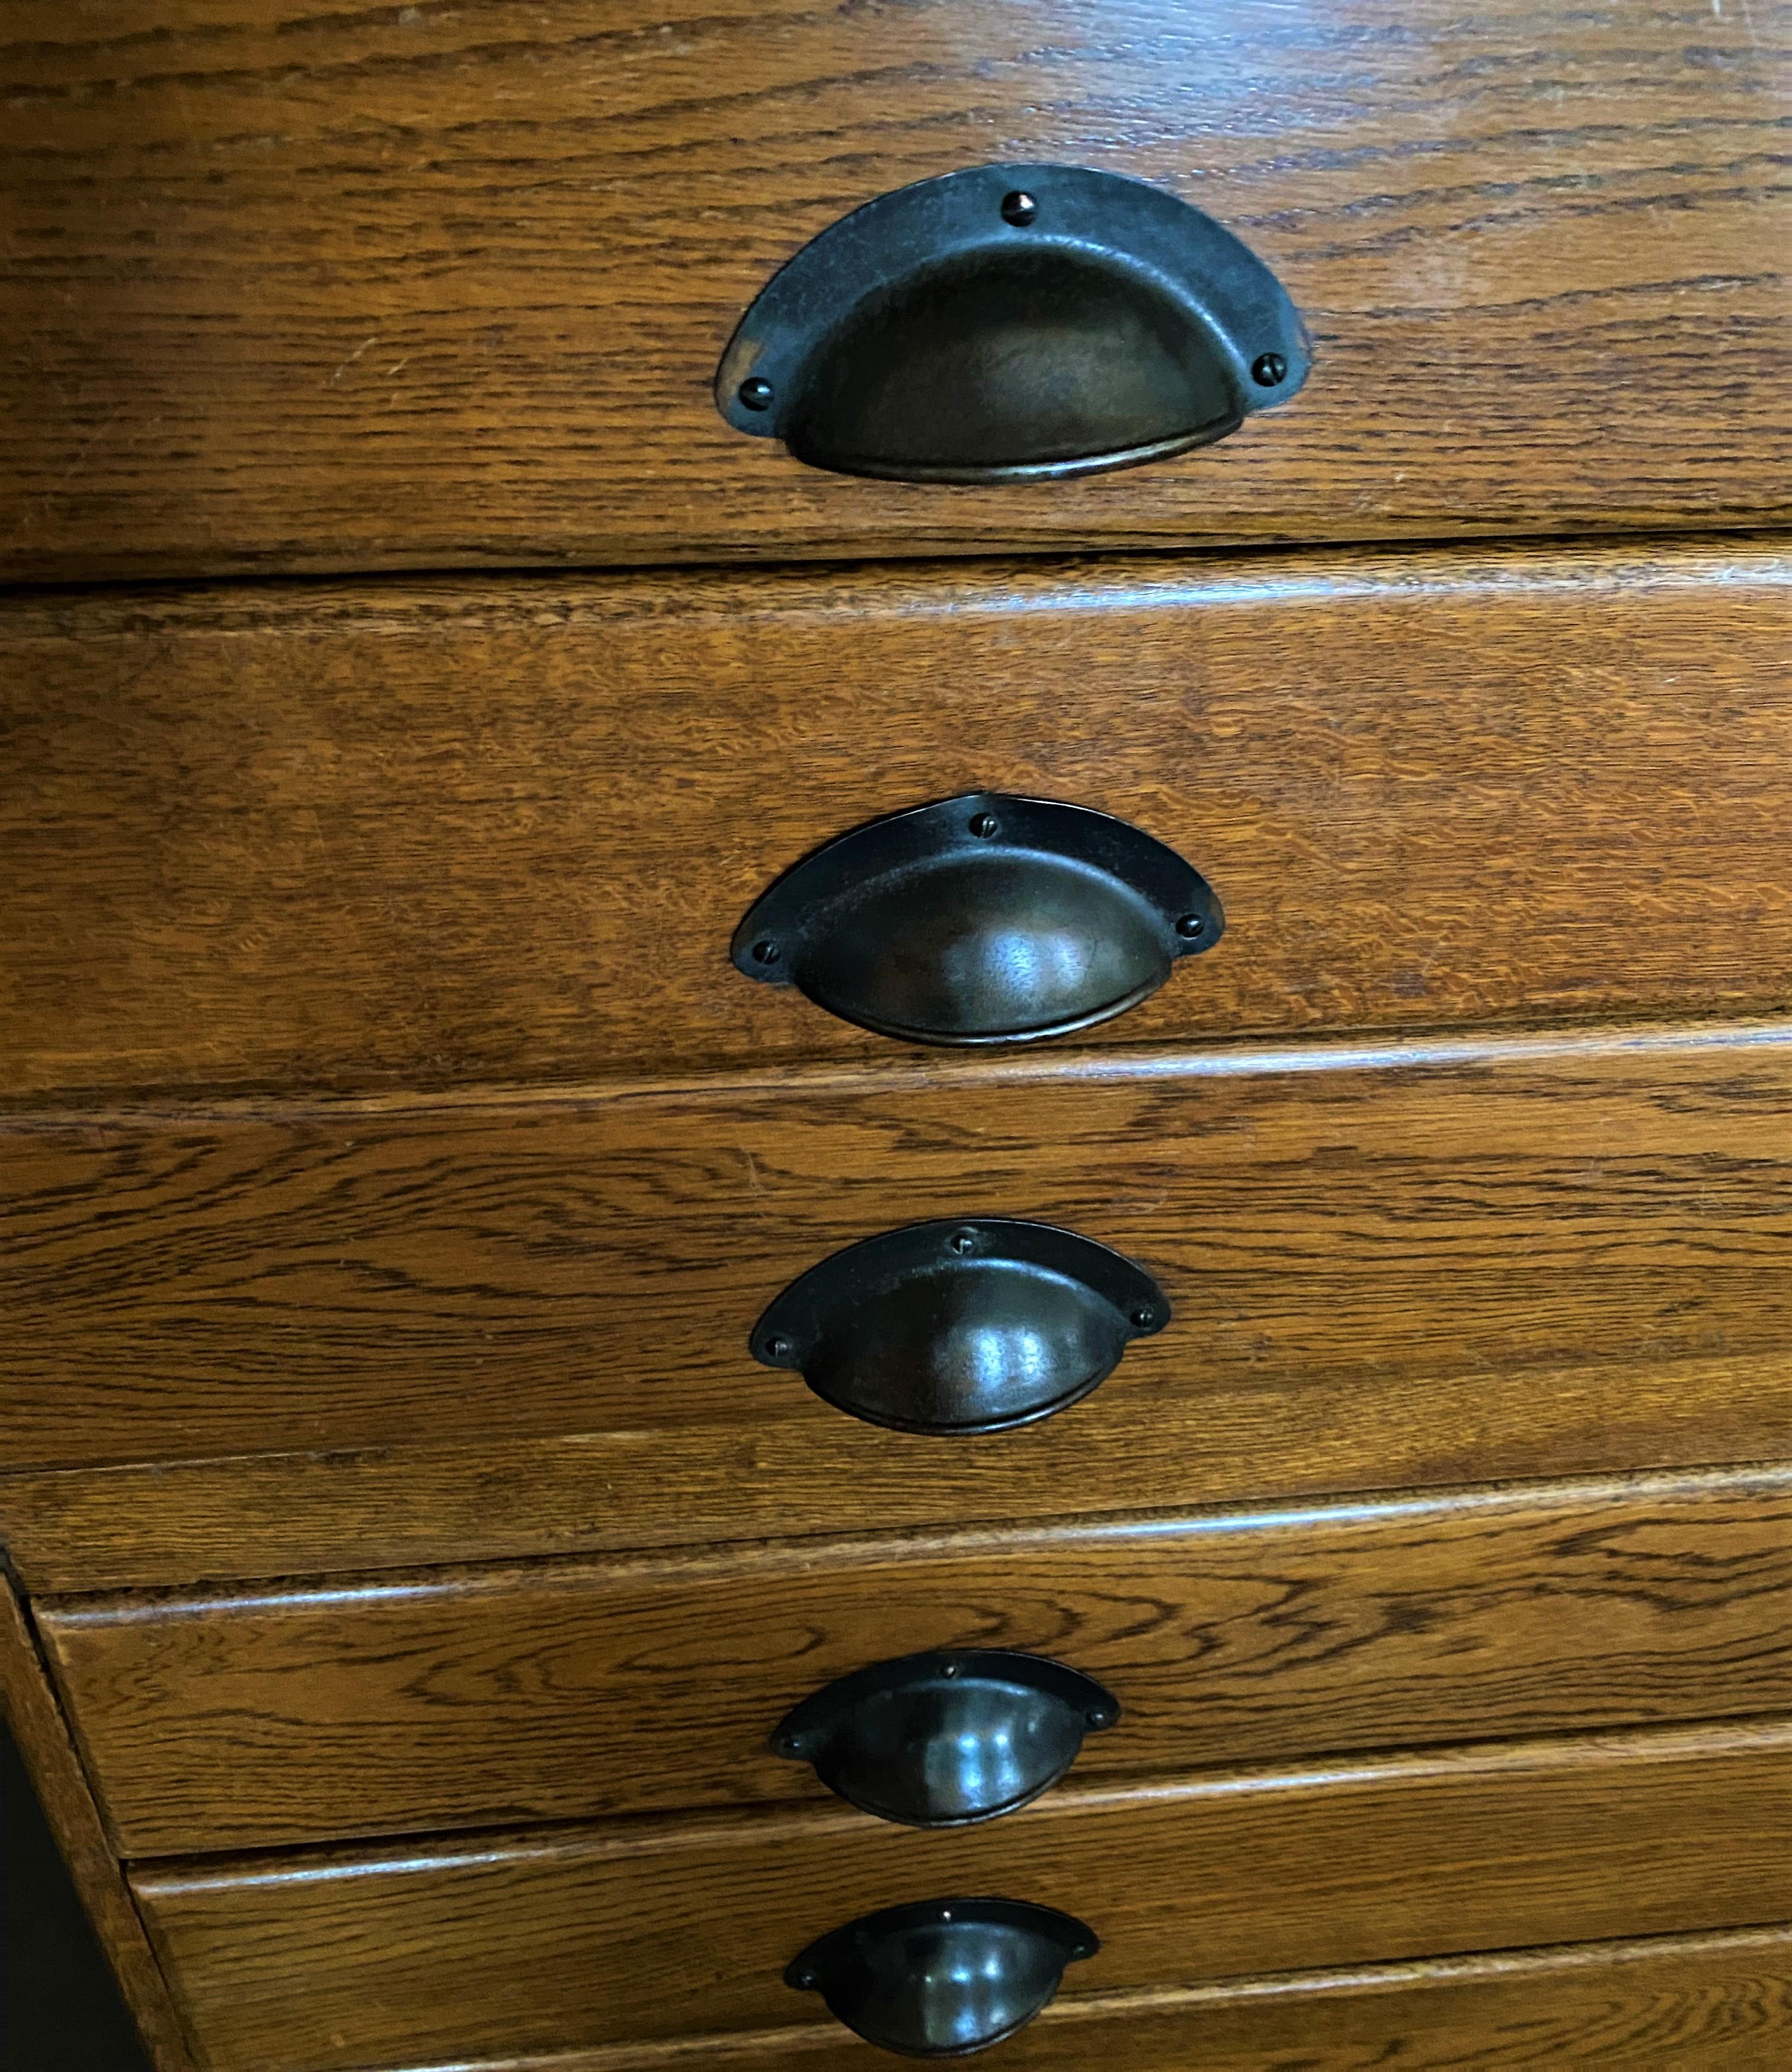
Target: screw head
[
  {"x": 778, "y": 1348},
  {"x": 755, "y": 392},
  {"x": 805, "y": 1981},
  {"x": 1019, "y": 208},
  {"x": 949, "y": 1668},
  {"x": 984, "y": 825},
  {"x": 1187, "y": 927},
  {"x": 1143, "y": 1318},
  {"x": 945, "y": 1914},
  {"x": 765, "y": 952},
  {"x": 962, "y": 1242},
  {"x": 1268, "y": 368},
  {"x": 1099, "y": 1716}
]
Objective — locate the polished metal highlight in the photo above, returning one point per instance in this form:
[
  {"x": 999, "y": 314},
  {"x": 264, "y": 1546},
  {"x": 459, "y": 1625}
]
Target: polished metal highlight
[
  {"x": 948, "y": 1738},
  {"x": 942, "y": 1978}
]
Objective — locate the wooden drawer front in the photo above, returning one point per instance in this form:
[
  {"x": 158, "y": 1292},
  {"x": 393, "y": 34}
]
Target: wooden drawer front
[
  {"x": 441, "y": 834},
  {"x": 1723, "y": 2000},
  {"x": 1392, "y": 1265},
  {"x": 311, "y": 288},
  {"x": 576, "y": 1689},
  {"x": 662, "y": 1927}
]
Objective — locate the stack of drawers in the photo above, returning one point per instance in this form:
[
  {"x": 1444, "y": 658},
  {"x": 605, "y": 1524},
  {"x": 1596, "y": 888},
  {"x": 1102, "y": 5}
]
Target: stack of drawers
[{"x": 418, "y": 1544}]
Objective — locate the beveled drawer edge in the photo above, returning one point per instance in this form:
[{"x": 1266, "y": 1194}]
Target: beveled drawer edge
[
  {"x": 748, "y": 1559},
  {"x": 644, "y": 1836},
  {"x": 256, "y": 1517},
  {"x": 1061, "y": 580},
  {"x": 1441, "y": 1047}
]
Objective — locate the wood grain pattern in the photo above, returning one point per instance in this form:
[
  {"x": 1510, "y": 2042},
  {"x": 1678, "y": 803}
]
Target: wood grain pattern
[
  {"x": 346, "y": 1509},
  {"x": 662, "y": 1926},
  {"x": 36, "y": 1721},
  {"x": 355, "y": 835},
  {"x": 1706, "y": 2001},
  {"x": 287, "y": 286},
  {"x": 1345, "y": 1232},
  {"x": 439, "y": 1698}
]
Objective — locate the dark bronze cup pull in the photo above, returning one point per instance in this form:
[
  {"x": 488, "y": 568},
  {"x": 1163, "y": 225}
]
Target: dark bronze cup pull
[
  {"x": 985, "y": 919},
  {"x": 944, "y": 1977},
  {"x": 945, "y": 1739},
  {"x": 1012, "y": 321},
  {"x": 961, "y": 1327}
]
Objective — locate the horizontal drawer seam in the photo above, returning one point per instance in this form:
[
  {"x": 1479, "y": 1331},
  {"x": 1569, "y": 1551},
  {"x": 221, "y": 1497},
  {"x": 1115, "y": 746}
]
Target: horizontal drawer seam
[
  {"x": 744, "y": 1559},
  {"x": 1416, "y": 1051},
  {"x": 650, "y": 1834}
]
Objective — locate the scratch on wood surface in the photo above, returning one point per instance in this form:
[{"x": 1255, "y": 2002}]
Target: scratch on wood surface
[{"x": 353, "y": 357}]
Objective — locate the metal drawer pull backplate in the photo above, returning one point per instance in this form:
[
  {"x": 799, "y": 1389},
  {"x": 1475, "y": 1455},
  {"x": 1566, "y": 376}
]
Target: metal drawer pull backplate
[
  {"x": 961, "y": 1327},
  {"x": 943, "y": 1977},
  {"x": 948, "y": 1738},
  {"x": 985, "y": 919},
  {"x": 1012, "y": 321}
]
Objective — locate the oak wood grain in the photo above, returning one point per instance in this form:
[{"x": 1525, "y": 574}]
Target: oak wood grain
[
  {"x": 437, "y": 1699},
  {"x": 346, "y": 1509},
  {"x": 29, "y": 1706},
  {"x": 1344, "y": 1231},
  {"x": 356, "y": 836},
  {"x": 668, "y": 1926},
  {"x": 1625, "y": 2007},
  {"x": 287, "y": 286}
]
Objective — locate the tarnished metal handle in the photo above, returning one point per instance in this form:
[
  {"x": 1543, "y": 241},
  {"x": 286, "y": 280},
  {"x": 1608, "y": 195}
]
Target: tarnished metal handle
[
  {"x": 1012, "y": 321},
  {"x": 961, "y": 1327}
]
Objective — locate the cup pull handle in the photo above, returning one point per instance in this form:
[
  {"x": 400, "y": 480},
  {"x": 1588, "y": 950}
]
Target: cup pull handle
[
  {"x": 948, "y": 1738},
  {"x": 985, "y": 919},
  {"x": 957, "y": 1328},
  {"x": 1009, "y": 322},
  {"x": 942, "y": 1978}
]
